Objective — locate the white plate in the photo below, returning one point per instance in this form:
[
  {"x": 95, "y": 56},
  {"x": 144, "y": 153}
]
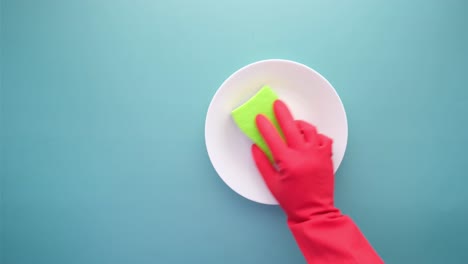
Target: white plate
[{"x": 309, "y": 96}]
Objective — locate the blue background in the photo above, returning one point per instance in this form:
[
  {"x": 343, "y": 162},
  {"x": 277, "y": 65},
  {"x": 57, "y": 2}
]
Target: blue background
[{"x": 102, "y": 127}]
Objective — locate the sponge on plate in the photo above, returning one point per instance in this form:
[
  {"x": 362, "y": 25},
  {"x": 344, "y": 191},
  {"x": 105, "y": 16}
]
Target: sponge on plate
[{"x": 244, "y": 116}]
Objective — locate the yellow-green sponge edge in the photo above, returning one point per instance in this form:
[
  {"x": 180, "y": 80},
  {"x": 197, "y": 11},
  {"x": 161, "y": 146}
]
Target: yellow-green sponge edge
[{"x": 244, "y": 116}]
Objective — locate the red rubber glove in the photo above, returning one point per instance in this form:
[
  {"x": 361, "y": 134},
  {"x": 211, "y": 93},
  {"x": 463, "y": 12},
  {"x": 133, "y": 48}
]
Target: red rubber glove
[{"x": 302, "y": 181}]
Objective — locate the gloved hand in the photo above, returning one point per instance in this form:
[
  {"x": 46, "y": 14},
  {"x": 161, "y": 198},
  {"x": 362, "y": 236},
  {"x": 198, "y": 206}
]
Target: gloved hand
[{"x": 301, "y": 179}]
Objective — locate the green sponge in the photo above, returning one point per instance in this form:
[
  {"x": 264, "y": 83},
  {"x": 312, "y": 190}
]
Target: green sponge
[{"x": 244, "y": 116}]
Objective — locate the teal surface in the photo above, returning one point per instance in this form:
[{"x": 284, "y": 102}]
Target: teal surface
[{"x": 102, "y": 127}]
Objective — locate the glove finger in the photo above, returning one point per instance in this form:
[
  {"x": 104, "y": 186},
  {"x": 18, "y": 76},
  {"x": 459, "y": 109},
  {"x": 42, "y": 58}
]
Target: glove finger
[
  {"x": 325, "y": 142},
  {"x": 309, "y": 131},
  {"x": 264, "y": 166},
  {"x": 271, "y": 136},
  {"x": 285, "y": 119}
]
